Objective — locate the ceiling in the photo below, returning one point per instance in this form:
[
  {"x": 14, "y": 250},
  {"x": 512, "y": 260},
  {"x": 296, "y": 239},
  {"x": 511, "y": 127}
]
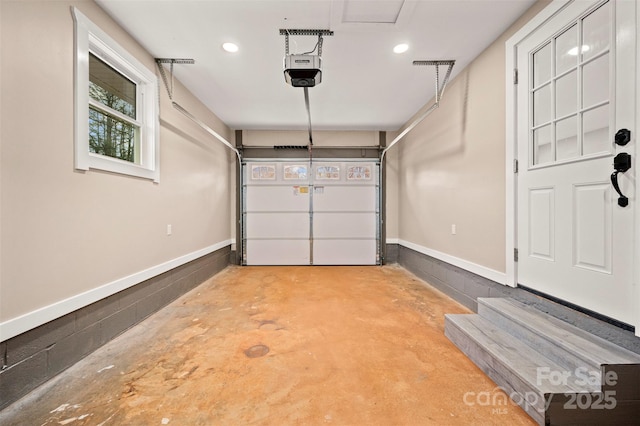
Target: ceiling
[{"x": 365, "y": 86}]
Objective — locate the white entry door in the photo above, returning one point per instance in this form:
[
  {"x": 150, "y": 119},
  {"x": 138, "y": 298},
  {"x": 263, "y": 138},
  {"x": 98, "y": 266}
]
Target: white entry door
[
  {"x": 576, "y": 89},
  {"x": 299, "y": 213}
]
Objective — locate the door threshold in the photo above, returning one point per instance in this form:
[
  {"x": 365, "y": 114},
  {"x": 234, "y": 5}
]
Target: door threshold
[{"x": 589, "y": 312}]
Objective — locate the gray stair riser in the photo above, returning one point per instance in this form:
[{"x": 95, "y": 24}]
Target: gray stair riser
[
  {"x": 502, "y": 375},
  {"x": 552, "y": 349},
  {"x": 625, "y": 381},
  {"x": 590, "y": 349},
  {"x": 527, "y": 363}
]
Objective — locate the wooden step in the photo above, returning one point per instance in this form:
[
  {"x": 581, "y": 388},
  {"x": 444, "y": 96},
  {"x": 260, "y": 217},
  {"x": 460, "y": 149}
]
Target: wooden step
[
  {"x": 511, "y": 363},
  {"x": 559, "y": 374},
  {"x": 568, "y": 346}
]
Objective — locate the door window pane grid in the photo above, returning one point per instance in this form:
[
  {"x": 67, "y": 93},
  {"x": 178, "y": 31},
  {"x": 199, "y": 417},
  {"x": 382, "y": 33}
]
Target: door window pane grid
[
  {"x": 542, "y": 66},
  {"x": 567, "y": 139},
  {"x": 595, "y": 80},
  {"x": 596, "y": 30},
  {"x": 595, "y": 130},
  {"x": 567, "y": 110},
  {"x": 565, "y": 58}
]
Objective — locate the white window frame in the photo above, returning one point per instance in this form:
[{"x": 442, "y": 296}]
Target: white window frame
[{"x": 89, "y": 38}]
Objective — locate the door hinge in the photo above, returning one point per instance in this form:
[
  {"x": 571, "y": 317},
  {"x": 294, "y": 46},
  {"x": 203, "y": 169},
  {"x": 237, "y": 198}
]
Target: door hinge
[
  {"x": 515, "y": 254},
  {"x": 515, "y": 165},
  {"x": 515, "y": 76}
]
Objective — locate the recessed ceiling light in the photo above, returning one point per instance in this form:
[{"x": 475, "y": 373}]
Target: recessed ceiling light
[
  {"x": 230, "y": 47},
  {"x": 401, "y": 48}
]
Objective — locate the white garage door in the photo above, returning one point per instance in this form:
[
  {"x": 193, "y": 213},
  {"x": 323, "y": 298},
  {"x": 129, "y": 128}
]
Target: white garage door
[{"x": 297, "y": 213}]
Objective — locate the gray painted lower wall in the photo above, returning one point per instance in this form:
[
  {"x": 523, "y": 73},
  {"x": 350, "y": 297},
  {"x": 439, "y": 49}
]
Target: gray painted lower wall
[
  {"x": 36, "y": 356},
  {"x": 465, "y": 287},
  {"x": 391, "y": 254}
]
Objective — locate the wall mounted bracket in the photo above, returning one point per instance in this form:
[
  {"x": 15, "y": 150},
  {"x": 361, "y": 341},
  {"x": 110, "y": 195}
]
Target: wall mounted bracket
[
  {"x": 184, "y": 111},
  {"x": 171, "y": 61},
  {"x": 449, "y": 64},
  {"x": 440, "y": 86}
]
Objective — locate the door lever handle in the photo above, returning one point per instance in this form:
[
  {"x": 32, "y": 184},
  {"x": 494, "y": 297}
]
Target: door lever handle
[
  {"x": 622, "y": 200},
  {"x": 621, "y": 163}
]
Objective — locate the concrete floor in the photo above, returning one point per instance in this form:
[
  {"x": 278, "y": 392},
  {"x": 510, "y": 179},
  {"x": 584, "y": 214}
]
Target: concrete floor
[{"x": 281, "y": 345}]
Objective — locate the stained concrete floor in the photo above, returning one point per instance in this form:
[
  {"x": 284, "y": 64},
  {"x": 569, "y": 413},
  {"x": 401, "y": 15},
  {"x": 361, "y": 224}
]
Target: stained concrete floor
[{"x": 282, "y": 346}]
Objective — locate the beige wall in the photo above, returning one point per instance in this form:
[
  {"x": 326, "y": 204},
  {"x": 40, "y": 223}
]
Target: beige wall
[
  {"x": 66, "y": 232},
  {"x": 301, "y": 137},
  {"x": 393, "y": 190},
  {"x": 232, "y": 199},
  {"x": 452, "y": 165}
]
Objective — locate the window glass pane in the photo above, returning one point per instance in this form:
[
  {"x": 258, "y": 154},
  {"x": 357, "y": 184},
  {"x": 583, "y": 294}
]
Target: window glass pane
[
  {"x": 112, "y": 137},
  {"x": 295, "y": 172},
  {"x": 567, "y": 50},
  {"x": 596, "y": 31},
  {"x": 111, "y": 88},
  {"x": 263, "y": 172},
  {"x": 567, "y": 139},
  {"x": 542, "y": 105},
  {"x": 595, "y": 84},
  {"x": 328, "y": 173},
  {"x": 567, "y": 94},
  {"x": 542, "y": 65},
  {"x": 359, "y": 173},
  {"x": 595, "y": 127},
  {"x": 542, "y": 152}
]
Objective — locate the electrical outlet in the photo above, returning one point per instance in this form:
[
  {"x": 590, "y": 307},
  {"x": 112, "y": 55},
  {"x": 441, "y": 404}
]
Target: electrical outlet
[
  {"x": 168, "y": 229},
  {"x": 453, "y": 229}
]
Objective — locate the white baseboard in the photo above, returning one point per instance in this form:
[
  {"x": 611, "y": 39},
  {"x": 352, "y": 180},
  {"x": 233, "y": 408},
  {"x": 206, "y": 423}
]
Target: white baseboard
[
  {"x": 393, "y": 241},
  {"x": 31, "y": 320},
  {"x": 483, "y": 271}
]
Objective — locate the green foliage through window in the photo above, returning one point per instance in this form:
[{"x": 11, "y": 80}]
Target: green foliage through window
[
  {"x": 111, "y": 137},
  {"x": 112, "y": 134}
]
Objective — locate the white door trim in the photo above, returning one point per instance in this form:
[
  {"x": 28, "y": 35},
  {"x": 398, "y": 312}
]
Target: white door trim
[
  {"x": 511, "y": 140},
  {"x": 636, "y": 248},
  {"x": 511, "y": 148}
]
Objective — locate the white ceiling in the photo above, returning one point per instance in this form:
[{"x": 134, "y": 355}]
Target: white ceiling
[{"x": 365, "y": 86}]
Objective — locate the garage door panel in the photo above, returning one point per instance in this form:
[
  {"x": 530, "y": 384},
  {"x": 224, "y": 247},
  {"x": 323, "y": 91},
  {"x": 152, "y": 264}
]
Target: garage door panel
[
  {"x": 344, "y": 252},
  {"x": 276, "y": 198},
  {"x": 287, "y": 205},
  {"x": 278, "y": 252},
  {"x": 344, "y": 225},
  {"x": 345, "y": 198},
  {"x": 278, "y": 225}
]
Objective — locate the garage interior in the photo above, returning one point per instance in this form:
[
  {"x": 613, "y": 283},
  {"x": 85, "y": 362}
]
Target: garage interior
[{"x": 286, "y": 212}]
